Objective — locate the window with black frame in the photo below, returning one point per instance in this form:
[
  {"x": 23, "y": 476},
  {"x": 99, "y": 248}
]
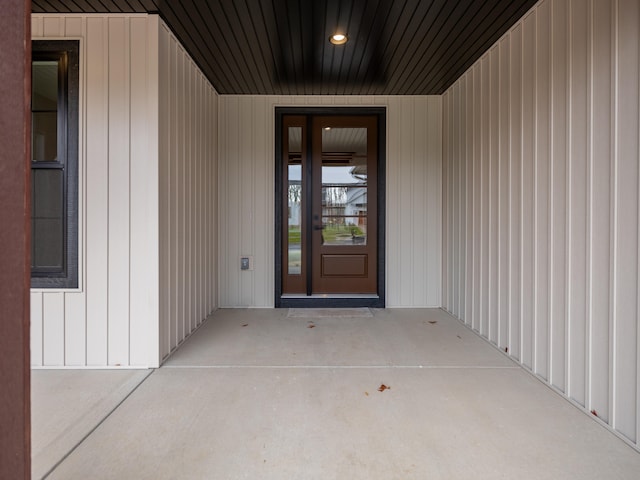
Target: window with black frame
[{"x": 54, "y": 165}]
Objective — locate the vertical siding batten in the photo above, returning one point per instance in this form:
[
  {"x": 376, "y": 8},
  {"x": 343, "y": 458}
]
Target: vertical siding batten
[
  {"x": 627, "y": 243},
  {"x": 97, "y": 231},
  {"x": 504, "y": 198},
  {"x": 637, "y": 346},
  {"x": 541, "y": 193},
  {"x": 75, "y": 349},
  {"x": 527, "y": 206},
  {"x": 447, "y": 252},
  {"x": 118, "y": 194},
  {"x": 579, "y": 238},
  {"x": 494, "y": 179},
  {"x": 484, "y": 193},
  {"x": 468, "y": 145},
  {"x": 614, "y": 217},
  {"x": 53, "y": 329},
  {"x": 37, "y": 327},
  {"x": 600, "y": 206},
  {"x": 144, "y": 328},
  {"x": 515, "y": 187},
  {"x": 164, "y": 189},
  {"x": 477, "y": 200}
]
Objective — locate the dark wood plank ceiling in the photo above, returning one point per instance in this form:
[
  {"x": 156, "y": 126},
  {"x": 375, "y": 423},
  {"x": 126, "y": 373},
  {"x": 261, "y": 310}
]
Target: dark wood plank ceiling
[{"x": 279, "y": 47}]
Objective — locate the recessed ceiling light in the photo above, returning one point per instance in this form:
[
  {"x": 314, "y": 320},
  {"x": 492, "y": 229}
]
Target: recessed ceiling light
[
  {"x": 327, "y": 128},
  {"x": 338, "y": 39}
]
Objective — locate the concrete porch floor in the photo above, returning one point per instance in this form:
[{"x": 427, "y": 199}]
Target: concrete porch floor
[{"x": 258, "y": 394}]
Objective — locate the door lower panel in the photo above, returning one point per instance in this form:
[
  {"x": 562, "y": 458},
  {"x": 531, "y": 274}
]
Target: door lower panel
[{"x": 354, "y": 266}]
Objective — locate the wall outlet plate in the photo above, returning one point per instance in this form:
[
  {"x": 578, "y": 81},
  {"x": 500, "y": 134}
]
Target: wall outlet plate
[{"x": 246, "y": 262}]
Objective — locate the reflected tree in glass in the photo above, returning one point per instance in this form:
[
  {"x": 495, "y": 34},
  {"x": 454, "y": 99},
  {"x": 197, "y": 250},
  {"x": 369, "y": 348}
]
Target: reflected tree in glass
[{"x": 294, "y": 202}]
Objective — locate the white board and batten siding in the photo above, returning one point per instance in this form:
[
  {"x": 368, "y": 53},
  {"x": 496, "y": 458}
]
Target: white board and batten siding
[
  {"x": 413, "y": 194},
  {"x": 126, "y": 75},
  {"x": 188, "y": 198},
  {"x": 541, "y": 173},
  {"x": 105, "y": 322}
]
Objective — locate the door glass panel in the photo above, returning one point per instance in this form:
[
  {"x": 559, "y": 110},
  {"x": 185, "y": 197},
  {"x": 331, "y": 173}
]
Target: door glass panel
[
  {"x": 294, "y": 200},
  {"x": 344, "y": 186}
]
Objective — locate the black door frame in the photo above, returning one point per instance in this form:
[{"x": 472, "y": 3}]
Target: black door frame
[{"x": 321, "y": 300}]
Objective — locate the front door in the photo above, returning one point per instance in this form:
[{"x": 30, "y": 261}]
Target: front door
[{"x": 329, "y": 209}]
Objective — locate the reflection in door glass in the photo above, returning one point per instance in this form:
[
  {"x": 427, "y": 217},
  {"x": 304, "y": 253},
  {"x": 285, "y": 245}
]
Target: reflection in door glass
[
  {"x": 294, "y": 200},
  {"x": 344, "y": 186}
]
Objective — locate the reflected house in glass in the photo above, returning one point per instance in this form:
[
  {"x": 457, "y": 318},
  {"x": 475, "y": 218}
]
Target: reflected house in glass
[
  {"x": 356, "y": 204},
  {"x": 345, "y": 196}
]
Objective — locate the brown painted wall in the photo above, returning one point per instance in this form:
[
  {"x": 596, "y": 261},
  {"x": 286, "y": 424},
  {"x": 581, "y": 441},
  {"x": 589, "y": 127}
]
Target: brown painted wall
[{"x": 15, "y": 66}]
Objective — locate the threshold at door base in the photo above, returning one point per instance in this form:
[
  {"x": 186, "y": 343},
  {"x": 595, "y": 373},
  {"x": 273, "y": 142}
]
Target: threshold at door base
[
  {"x": 330, "y": 301},
  {"x": 332, "y": 295}
]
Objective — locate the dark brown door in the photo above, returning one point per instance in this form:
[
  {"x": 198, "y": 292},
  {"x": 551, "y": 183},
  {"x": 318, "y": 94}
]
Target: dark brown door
[{"x": 330, "y": 235}]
